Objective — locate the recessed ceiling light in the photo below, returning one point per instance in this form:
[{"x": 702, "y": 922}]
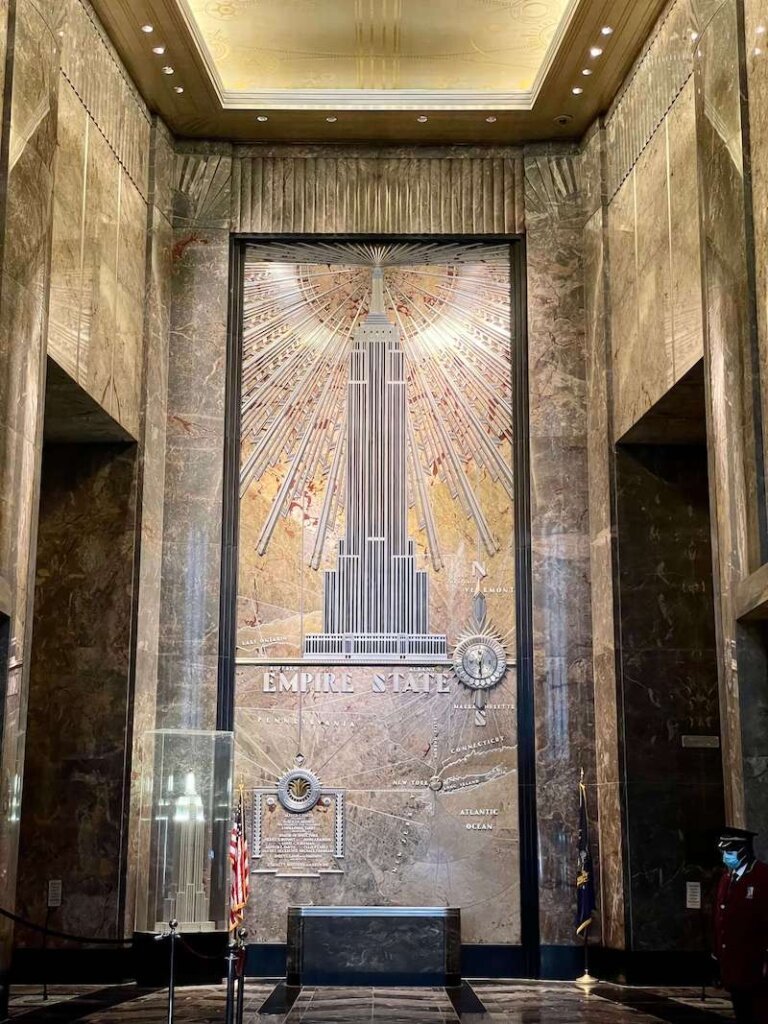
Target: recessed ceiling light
[
  {"x": 606, "y": 30},
  {"x": 490, "y": 119},
  {"x": 694, "y": 36},
  {"x": 158, "y": 49},
  {"x": 178, "y": 88},
  {"x": 595, "y": 51},
  {"x": 757, "y": 51},
  {"x": 760, "y": 30},
  {"x": 147, "y": 28},
  {"x": 577, "y": 90},
  {"x": 167, "y": 70},
  {"x": 262, "y": 117},
  {"x": 422, "y": 118},
  {"x": 331, "y": 120},
  {"x": 586, "y": 71}
]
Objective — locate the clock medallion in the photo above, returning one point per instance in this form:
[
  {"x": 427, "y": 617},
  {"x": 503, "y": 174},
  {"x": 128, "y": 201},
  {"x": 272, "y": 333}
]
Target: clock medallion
[{"x": 480, "y": 658}]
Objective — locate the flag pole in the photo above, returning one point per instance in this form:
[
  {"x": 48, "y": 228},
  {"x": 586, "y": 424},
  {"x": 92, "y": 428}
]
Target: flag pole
[{"x": 586, "y": 979}]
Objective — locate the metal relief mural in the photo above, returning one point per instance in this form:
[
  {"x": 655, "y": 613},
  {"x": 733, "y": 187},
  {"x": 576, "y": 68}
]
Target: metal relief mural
[{"x": 376, "y": 688}]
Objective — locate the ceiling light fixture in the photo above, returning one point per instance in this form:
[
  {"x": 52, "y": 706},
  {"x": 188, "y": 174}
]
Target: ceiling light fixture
[
  {"x": 577, "y": 90},
  {"x": 757, "y": 51},
  {"x": 491, "y": 119},
  {"x": 586, "y": 71},
  {"x": 760, "y": 30},
  {"x": 167, "y": 70},
  {"x": 262, "y": 117},
  {"x": 158, "y": 49},
  {"x": 178, "y": 88},
  {"x": 595, "y": 51},
  {"x": 331, "y": 120},
  {"x": 606, "y": 30},
  {"x": 147, "y": 28},
  {"x": 422, "y": 118}
]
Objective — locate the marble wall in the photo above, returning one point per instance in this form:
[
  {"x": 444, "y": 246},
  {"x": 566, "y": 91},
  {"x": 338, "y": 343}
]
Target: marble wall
[
  {"x": 653, "y": 225},
  {"x": 673, "y": 796},
  {"x": 209, "y": 201},
  {"x": 32, "y": 92},
  {"x": 669, "y": 296},
  {"x": 732, "y": 425},
  {"x": 79, "y": 690},
  {"x": 96, "y": 329},
  {"x": 73, "y": 222}
]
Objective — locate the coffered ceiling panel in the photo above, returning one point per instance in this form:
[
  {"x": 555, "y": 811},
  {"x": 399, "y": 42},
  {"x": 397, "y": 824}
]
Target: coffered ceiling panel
[
  {"x": 410, "y": 71},
  {"x": 385, "y": 46}
]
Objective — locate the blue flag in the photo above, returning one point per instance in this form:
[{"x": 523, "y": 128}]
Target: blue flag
[{"x": 585, "y": 880}]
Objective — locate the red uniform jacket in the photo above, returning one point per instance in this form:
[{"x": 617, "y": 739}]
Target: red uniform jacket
[{"x": 741, "y": 927}]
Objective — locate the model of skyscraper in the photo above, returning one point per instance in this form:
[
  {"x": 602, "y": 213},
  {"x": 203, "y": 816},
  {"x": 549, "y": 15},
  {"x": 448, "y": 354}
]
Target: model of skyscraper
[
  {"x": 376, "y": 602},
  {"x": 187, "y": 900}
]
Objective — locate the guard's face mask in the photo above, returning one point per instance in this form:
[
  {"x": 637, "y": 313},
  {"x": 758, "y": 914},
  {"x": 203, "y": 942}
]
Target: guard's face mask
[{"x": 731, "y": 859}]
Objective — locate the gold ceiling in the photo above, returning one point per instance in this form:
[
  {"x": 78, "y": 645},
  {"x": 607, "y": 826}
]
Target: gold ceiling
[{"x": 378, "y": 53}]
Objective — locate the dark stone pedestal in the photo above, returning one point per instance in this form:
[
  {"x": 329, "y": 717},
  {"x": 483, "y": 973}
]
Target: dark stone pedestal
[{"x": 374, "y": 946}]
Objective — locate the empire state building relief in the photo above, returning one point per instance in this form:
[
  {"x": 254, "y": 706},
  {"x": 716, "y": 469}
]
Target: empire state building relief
[{"x": 376, "y": 589}]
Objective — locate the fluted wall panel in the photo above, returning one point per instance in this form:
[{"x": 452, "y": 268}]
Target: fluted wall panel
[
  {"x": 90, "y": 65},
  {"x": 657, "y": 79},
  {"x": 361, "y": 192}
]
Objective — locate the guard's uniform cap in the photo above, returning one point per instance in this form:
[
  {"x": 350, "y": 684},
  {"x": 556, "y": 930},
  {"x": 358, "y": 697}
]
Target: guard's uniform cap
[{"x": 734, "y": 837}]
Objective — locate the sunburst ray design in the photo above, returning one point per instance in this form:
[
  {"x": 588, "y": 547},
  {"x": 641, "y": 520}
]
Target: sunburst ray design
[{"x": 302, "y": 304}]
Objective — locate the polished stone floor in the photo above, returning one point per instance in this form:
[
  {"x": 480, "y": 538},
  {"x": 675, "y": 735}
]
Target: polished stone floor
[{"x": 480, "y": 1003}]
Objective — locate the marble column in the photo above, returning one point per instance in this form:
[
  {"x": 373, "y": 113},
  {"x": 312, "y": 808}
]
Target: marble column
[
  {"x": 602, "y": 533},
  {"x": 559, "y": 523},
  {"x": 194, "y": 458},
  {"x": 726, "y": 359},
  {"x": 154, "y": 401},
  {"x": 26, "y": 239},
  {"x": 753, "y": 637}
]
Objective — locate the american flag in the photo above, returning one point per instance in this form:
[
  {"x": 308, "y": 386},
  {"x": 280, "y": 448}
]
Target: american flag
[{"x": 238, "y": 859}]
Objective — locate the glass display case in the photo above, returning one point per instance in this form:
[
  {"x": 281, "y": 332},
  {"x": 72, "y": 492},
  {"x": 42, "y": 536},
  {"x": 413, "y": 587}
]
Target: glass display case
[{"x": 185, "y": 820}]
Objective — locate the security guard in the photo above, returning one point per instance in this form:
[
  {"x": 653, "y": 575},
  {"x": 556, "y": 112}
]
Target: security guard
[{"x": 741, "y": 926}]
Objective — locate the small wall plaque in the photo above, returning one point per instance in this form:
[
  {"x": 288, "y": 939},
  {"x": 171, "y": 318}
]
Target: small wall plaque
[
  {"x": 693, "y": 895},
  {"x": 54, "y": 893}
]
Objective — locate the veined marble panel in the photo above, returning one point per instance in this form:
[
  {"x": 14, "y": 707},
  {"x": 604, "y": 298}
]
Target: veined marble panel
[
  {"x": 727, "y": 368},
  {"x": 655, "y": 268},
  {"x": 66, "y": 289},
  {"x": 564, "y": 704},
  {"x": 79, "y": 686}
]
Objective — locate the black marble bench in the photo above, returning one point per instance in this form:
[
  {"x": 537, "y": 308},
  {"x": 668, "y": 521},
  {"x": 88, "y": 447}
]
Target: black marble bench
[{"x": 374, "y": 946}]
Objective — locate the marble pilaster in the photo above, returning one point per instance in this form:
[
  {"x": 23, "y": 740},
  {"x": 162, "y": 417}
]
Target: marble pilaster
[
  {"x": 559, "y": 522},
  {"x": 608, "y": 775},
  {"x": 191, "y": 557},
  {"x": 726, "y": 359},
  {"x": 157, "y": 311}
]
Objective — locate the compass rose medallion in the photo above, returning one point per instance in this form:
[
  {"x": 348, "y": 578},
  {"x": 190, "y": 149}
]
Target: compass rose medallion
[{"x": 480, "y": 657}]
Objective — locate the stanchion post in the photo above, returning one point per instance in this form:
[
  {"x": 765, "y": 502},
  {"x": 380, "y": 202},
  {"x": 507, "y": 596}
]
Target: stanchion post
[
  {"x": 45, "y": 954},
  {"x": 173, "y": 926},
  {"x": 229, "y": 1013},
  {"x": 242, "y": 935}
]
